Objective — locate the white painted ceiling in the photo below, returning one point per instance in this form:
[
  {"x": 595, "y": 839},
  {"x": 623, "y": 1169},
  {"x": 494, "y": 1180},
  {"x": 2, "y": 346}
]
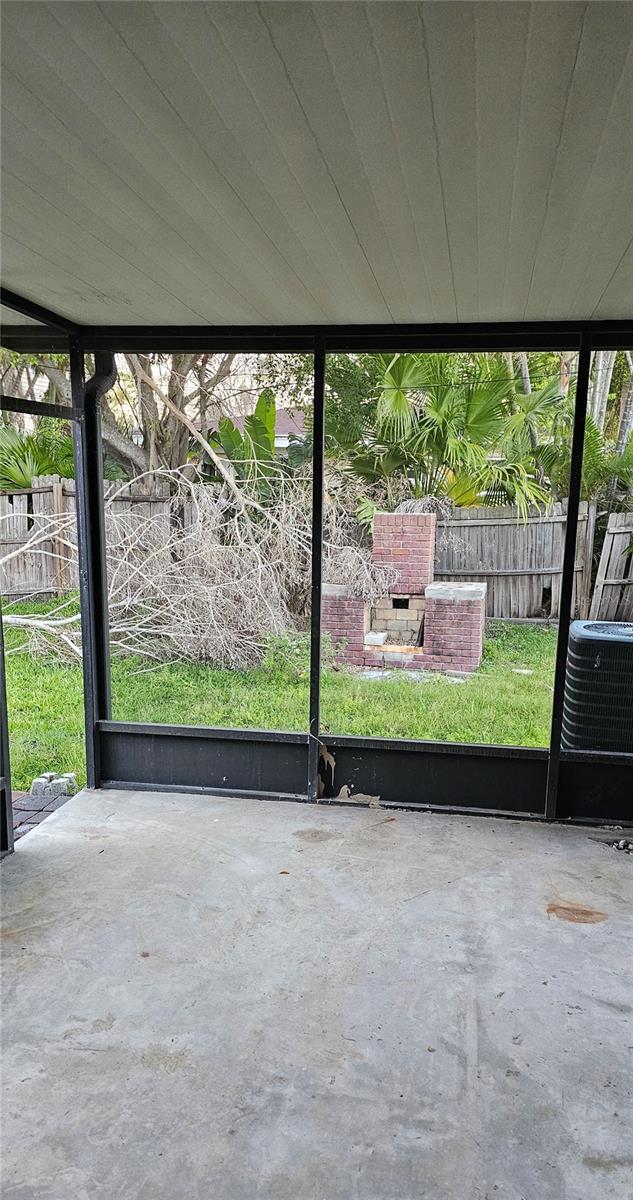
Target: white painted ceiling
[
  {"x": 298, "y": 163},
  {"x": 9, "y": 317}
]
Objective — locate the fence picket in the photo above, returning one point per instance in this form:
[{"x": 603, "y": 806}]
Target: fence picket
[{"x": 613, "y": 592}]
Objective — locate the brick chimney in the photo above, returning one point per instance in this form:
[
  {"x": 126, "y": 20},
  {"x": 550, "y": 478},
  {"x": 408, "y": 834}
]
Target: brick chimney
[{"x": 406, "y": 541}]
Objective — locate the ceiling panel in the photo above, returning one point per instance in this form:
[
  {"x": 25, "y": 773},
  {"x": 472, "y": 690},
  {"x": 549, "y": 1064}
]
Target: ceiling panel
[
  {"x": 9, "y": 317},
  {"x": 243, "y": 163}
]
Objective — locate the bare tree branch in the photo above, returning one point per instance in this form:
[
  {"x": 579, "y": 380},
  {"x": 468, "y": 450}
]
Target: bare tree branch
[
  {"x": 214, "y": 457},
  {"x": 192, "y": 579}
]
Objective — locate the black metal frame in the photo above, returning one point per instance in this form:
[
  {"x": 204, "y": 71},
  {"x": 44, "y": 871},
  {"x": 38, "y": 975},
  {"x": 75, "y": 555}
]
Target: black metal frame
[
  {"x": 318, "y": 456},
  {"x": 93, "y": 588},
  {"x": 542, "y": 784},
  {"x": 36, "y": 409},
  {"x": 6, "y": 807},
  {"x": 567, "y": 577}
]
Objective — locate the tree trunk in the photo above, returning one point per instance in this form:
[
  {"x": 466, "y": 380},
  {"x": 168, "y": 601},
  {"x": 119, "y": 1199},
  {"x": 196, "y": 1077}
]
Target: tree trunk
[
  {"x": 626, "y": 410},
  {"x": 132, "y": 457},
  {"x": 525, "y": 374},
  {"x": 566, "y": 369},
  {"x": 527, "y": 388},
  {"x": 188, "y": 385},
  {"x": 604, "y": 363}
]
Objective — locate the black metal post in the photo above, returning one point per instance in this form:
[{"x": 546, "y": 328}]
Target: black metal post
[
  {"x": 567, "y": 579},
  {"x": 6, "y": 806},
  {"x": 318, "y": 451},
  {"x": 92, "y": 565}
]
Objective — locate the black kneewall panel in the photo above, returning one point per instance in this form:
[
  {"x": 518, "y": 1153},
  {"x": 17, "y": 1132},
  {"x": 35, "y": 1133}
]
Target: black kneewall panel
[
  {"x": 599, "y": 790},
  {"x": 187, "y": 758},
  {"x": 452, "y": 776}
]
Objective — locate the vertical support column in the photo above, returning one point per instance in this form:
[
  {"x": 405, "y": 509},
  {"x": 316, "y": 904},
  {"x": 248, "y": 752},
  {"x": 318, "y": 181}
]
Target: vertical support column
[
  {"x": 91, "y": 552},
  {"x": 6, "y": 806},
  {"x": 567, "y": 579},
  {"x": 318, "y": 452}
]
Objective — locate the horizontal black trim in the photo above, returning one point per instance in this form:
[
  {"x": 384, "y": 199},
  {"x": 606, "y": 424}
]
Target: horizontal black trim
[
  {"x": 437, "y": 775},
  {"x": 197, "y": 339},
  {"x": 453, "y": 810},
  {"x": 350, "y": 740},
  {"x": 286, "y": 737},
  {"x": 292, "y": 338},
  {"x": 432, "y": 776},
  {"x": 482, "y": 335},
  {"x": 478, "y": 749},
  {"x": 17, "y": 404},
  {"x": 611, "y": 339},
  {"x": 599, "y": 790},
  {"x": 221, "y": 793},
  {"x": 33, "y": 339},
  {"x": 605, "y": 757}
]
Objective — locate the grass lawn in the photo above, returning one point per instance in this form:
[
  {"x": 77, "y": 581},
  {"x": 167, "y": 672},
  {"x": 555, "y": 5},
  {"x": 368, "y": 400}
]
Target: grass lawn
[{"x": 494, "y": 705}]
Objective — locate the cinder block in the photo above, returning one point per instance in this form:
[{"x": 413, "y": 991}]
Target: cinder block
[
  {"x": 59, "y": 787},
  {"x": 50, "y": 785}
]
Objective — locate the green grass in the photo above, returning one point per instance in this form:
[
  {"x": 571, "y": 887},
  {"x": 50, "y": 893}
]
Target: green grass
[{"x": 494, "y": 705}]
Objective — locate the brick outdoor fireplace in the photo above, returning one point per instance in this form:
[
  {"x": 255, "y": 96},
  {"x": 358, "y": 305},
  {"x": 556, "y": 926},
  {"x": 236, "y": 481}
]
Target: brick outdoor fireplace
[{"x": 419, "y": 624}]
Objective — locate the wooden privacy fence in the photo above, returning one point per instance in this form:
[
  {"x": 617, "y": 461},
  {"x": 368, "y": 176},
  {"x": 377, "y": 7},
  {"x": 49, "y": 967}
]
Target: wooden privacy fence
[
  {"x": 521, "y": 561},
  {"x": 613, "y": 592},
  {"x": 25, "y": 515},
  {"x": 50, "y": 566}
]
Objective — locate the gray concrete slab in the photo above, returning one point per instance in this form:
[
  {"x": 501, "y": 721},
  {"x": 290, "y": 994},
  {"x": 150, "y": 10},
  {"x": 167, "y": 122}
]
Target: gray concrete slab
[{"x": 227, "y": 999}]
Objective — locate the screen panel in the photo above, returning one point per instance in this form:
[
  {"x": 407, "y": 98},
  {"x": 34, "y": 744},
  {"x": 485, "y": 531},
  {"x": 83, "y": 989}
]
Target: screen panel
[
  {"x": 444, "y": 529},
  {"x": 209, "y": 548}
]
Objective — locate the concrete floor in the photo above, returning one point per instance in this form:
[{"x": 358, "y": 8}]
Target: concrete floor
[{"x": 229, "y": 1000}]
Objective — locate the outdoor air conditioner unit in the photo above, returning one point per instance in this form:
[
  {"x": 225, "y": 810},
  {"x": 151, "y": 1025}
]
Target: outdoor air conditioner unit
[{"x": 598, "y": 708}]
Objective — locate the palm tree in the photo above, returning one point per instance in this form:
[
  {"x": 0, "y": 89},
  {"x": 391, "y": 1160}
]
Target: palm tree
[
  {"x": 22, "y": 459},
  {"x": 607, "y": 472},
  {"x": 46, "y": 451},
  {"x": 454, "y": 427}
]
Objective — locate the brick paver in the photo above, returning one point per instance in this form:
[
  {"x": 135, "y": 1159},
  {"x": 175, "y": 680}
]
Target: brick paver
[{"x": 29, "y": 811}]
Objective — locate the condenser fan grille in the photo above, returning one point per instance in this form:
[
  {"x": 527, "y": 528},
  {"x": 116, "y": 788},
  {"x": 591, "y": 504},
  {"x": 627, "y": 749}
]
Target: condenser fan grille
[{"x": 598, "y": 708}]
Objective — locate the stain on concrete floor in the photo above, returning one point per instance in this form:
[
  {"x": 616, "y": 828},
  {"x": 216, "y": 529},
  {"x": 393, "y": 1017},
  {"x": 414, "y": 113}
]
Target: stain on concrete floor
[{"x": 579, "y": 914}]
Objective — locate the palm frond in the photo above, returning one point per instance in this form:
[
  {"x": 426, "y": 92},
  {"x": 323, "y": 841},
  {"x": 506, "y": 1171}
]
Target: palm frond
[{"x": 22, "y": 459}]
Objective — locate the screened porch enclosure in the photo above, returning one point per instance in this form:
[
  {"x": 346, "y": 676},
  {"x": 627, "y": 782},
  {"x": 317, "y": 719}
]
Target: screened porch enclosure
[
  {"x": 321, "y": 180},
  {"x": 317, "y": 764},
  {"x": 342, "y": 910}
]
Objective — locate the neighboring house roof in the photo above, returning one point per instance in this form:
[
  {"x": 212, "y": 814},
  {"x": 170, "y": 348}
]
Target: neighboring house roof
[{"x": 289, "y": 422}]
